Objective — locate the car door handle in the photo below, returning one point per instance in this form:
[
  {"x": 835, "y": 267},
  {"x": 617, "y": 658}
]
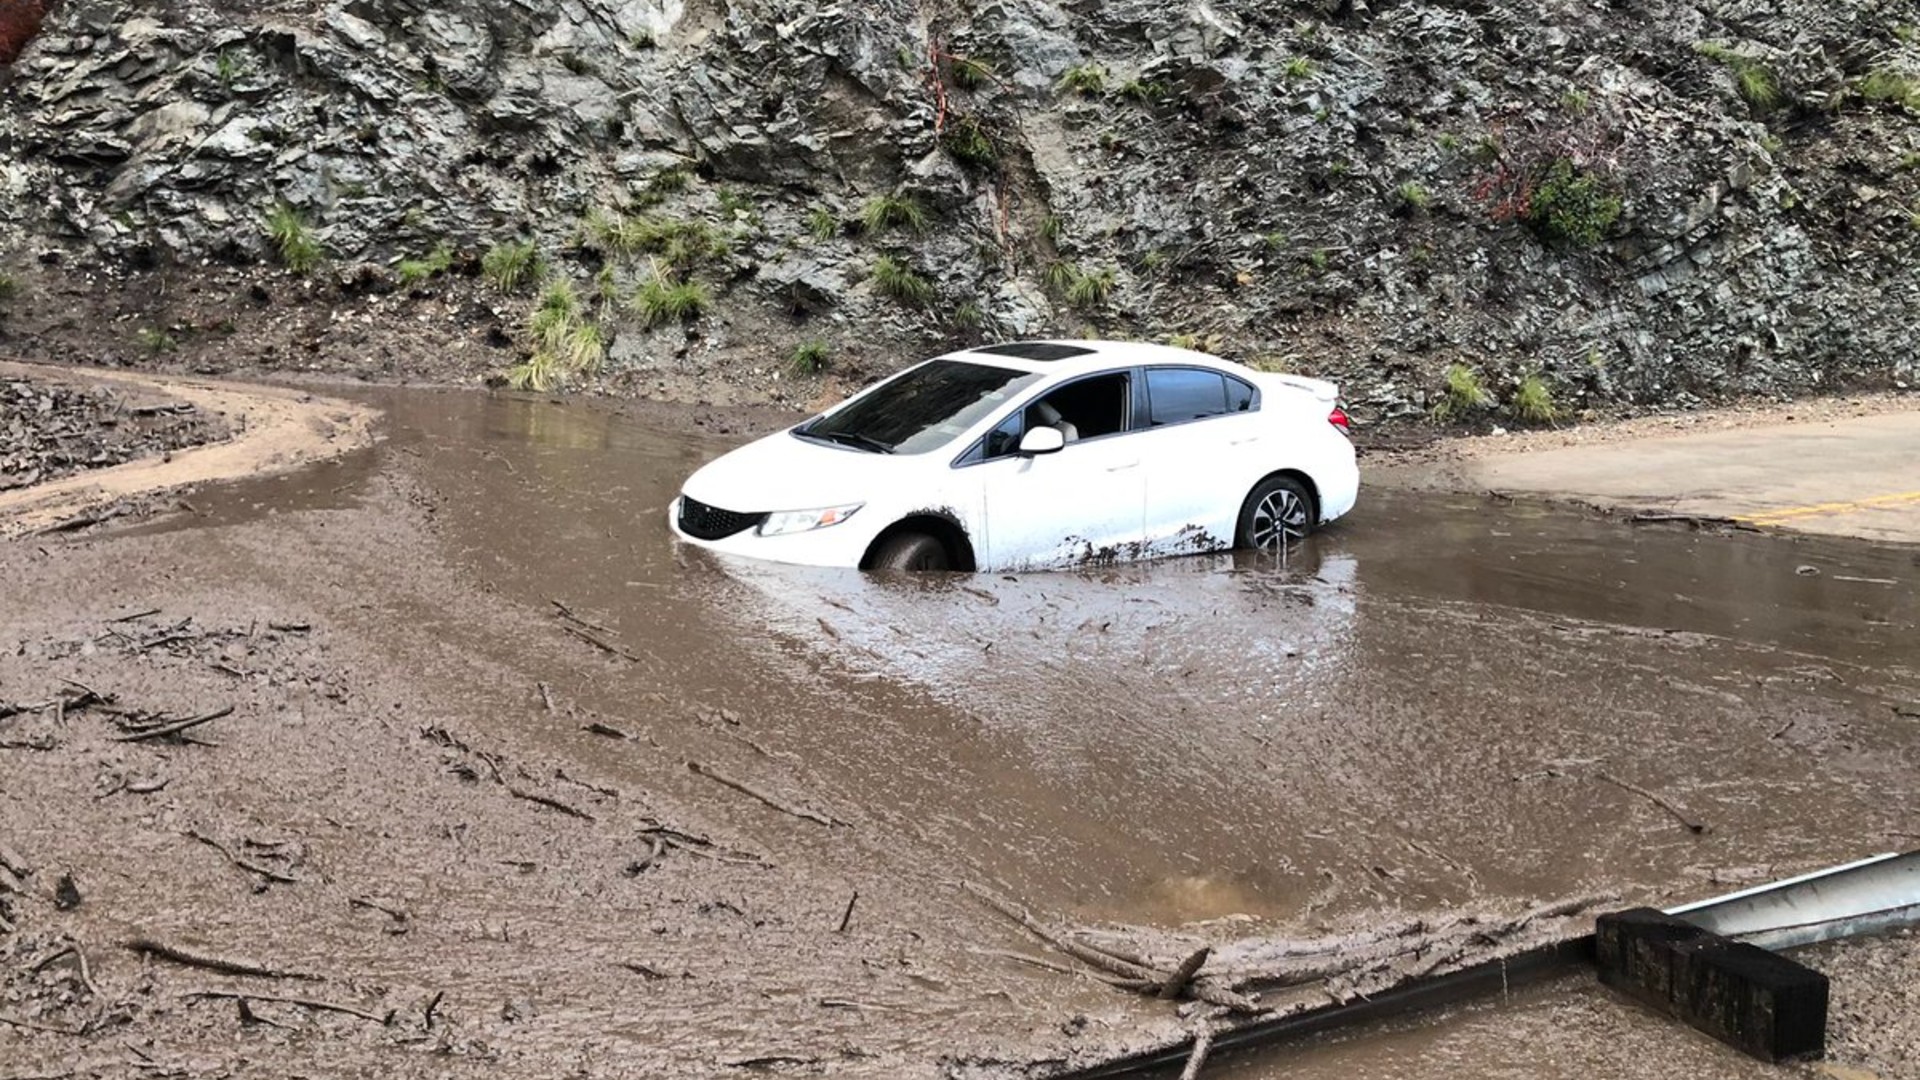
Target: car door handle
[{"x": 1123, "y": 467}]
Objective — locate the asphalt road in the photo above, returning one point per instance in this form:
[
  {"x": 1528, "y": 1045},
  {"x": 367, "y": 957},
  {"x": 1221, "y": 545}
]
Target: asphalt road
[{"x": 1855, "y": 477}]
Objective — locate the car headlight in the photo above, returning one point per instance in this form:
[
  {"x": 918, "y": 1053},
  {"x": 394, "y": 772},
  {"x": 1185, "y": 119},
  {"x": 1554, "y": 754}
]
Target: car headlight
[{"x": 782, "y": 522}]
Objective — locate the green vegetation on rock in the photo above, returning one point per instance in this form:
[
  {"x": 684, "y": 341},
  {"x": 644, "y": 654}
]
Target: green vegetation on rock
[
  {"x": 884, "y": 212},
  {"x": 1533, "y": 402},
  {"x": 293, "y": 239},
  {"x": 896, "y": 279},
  {"x": 510, "y": 265},
  {"x": 1572, "y": 206},
  {"x": 1464, "y": 395},
  {"x": 810, "y": 358}
]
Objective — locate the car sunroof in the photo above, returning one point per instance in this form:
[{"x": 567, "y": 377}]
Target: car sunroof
[{"x": 1036, "y": 350}]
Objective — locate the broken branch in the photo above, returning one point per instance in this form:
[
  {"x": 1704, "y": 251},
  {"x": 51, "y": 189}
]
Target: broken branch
[
  {"x": 174, "y": 728},
  {"x": 805, "y": 813},
  {"x": 1679, "y": 815},
  {"x": 309, "y": 1003},
  {"x": 205, "y": 962}
]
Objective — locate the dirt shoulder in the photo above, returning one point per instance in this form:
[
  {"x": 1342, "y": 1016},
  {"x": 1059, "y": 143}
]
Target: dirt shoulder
[
  {"x": 1839, "y": 466},
  {"x": 267, "y": 430}
]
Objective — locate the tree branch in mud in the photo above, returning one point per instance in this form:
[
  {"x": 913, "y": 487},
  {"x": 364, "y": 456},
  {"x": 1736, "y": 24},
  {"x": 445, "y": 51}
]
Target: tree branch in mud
[
  {"x": 308, "y": 1003},
  {"x": 244, "y": 864},
  {"x": 205, "y": 962},
  {"x": 1679, "y": 815},
  {"x": 1129, "y": 975},
  {"x": 802, "y": 812},
  {"x": 175, "y": 728}
]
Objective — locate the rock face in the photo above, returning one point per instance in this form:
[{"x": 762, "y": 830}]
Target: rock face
[{"x": 1651, "y": 201}]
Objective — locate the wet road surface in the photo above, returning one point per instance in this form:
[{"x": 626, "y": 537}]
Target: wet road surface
[{"x": 1410, "y": 715}]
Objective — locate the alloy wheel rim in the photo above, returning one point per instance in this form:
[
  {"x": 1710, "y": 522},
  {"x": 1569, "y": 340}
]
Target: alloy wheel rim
[{"x": 1281, "y": 517}]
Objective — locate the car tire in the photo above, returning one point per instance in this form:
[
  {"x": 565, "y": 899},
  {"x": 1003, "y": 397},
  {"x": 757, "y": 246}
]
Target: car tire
[
  {"x": 1278, "y": 510},
  {"x": 912, "y": 552}
]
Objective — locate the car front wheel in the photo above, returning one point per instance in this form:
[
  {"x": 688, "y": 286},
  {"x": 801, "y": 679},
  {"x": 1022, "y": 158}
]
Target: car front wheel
[
  {"x": 912, "y": 552},
  {"x": 1277, "y": 512}
]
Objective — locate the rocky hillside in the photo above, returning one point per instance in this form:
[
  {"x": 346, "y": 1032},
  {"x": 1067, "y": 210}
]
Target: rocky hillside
[{"x": 1641, "y": 202}]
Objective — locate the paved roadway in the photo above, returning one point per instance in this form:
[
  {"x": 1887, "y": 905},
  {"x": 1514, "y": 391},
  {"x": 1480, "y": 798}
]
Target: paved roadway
[{"x": 1843, "y": 477}]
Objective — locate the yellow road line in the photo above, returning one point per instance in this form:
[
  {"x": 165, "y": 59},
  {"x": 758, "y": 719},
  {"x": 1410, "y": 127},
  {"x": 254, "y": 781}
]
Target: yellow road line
[{"x": 1776, "y": 517}]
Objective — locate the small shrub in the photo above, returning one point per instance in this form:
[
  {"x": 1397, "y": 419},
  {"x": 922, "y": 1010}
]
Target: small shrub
[
  {"x": 969, "y": 143},
  {"x": 1892, "y": 87},
  {"x": 896, "y": 279},
  {"x": 822, "y": 224},
  {"x": 661, "y": 300},
  {"x": 1144, "y": 91},
  {"x": 968, "y": 316},
  {"x": 1533, "y": 403},
  {"x": 1576, "y": 102},
  {"x": 9, "y": 287},
  {"x": 1085, "y": 80},
  {"x": 417, "y": 271},
  {"x": 906, "y": 58},
  {"x": 1572, "y": 206},
  {"x": 1050, "y": 228},
  {"x": 809, "y": 359},
  {"x": 157, "y": 341},
  {"x": 583, "y": 348},
  {"x": 1298, "y": 68},
  {"x": 1320, "y": 259},
  {"x": 1448, "y": 141},
  {"x": 1911, "y": 160},
  {"x": 642, "y": 39},
  {"x": 1464, "y": 395},
  {"x": 971, "y": 74},
  {"x": 299, "y": 250},
  {"x": 1413, "y": 196},
  {"x": 883, "y": 212},
  {"x": 1091, "y": 290},
  {"x": 510, "y": 265}
]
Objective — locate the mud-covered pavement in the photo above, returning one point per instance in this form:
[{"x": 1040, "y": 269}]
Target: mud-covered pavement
[{"x": 557, "y": 799}]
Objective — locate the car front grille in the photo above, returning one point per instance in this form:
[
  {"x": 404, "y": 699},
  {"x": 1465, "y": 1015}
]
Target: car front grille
[{"x": 703, "y": 522}]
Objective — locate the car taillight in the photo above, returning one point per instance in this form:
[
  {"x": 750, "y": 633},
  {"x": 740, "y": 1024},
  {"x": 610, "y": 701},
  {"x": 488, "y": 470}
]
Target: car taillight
[{"x": 1338, "y": 418}]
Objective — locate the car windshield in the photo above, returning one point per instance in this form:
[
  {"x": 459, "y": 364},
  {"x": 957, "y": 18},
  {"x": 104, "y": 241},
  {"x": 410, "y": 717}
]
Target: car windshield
[{"x": 922, "y": 409}]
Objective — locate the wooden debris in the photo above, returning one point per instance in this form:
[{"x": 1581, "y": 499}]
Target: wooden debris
[
  {"x": 206, "y": 962},
  {"x": 1197, "y": 1057},
  {"x": 1182, "y": 975},
  {"x": 242, "y": 863},
  {"x": 608, "y": 730},
  {"x": 550, "y": 803},
  {"x": 802, "y": 812},
  {"x": 546, "y": 695},
  {"x": 603, "y": 646},
  {"x": 308, "y": 1003},
  {"x": 174, "y": 728},
  {"x": 570, "y": 615},
  {"x": 1679, "y": 815},
  {"x": 846, "y": 917}
]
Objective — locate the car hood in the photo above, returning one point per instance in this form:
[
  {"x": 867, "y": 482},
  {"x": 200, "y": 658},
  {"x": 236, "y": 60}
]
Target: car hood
[{"x": 782, "y": 472}]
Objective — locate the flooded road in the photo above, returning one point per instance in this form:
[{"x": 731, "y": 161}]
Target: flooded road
[{"x": 1442, "y": 703}]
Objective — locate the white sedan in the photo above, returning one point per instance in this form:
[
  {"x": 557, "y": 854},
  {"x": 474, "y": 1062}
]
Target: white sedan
[{"x": 1035, "y": 454}]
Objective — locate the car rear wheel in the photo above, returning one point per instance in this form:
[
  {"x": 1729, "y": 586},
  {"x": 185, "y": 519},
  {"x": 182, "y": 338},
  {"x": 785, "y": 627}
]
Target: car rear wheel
[
  {"x": 1277, "y": 512},
  {"x": 912, "y": 552}
]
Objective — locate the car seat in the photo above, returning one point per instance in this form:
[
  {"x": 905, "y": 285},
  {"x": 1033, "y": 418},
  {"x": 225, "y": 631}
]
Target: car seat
[{"x": 1050, "y": 417}]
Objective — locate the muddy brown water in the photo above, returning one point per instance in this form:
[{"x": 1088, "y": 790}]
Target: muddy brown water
[{"x": 1409, "y": 714}]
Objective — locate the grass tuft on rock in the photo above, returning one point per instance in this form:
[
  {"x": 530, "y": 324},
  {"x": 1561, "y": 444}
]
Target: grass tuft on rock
[
  {"x": 661, "y": 300},
  {"x": 896, "y": 279},
  {"x": 1572, "y": 207},
  {"x": 810, "y": 358},
  {"x": 414, "y": 272},
  {"x": 1464, "y": 395},
  {"x": 884, "y": 212},
  {"x": 293, "y": 239},
  {"x": 1533, "y": 402},
  {"x": 511, "y": 265}
]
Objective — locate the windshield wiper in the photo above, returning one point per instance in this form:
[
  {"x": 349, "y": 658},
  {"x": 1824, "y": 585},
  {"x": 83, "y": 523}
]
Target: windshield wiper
[{"x": 853, "y": 438}]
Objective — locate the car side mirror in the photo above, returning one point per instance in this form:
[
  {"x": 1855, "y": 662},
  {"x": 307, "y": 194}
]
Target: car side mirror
[{"x": 1042, "y": 440}]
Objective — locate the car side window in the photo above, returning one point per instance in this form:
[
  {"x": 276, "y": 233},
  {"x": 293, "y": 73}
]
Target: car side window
[
  {"x": 1240, "y": 396},
  {"x": 1177, "y": 395},
  {"x": 1083, "y": 409}
]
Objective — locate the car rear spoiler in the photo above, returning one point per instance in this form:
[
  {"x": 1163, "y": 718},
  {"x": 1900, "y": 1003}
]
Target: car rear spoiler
[{"x": 1319, "y": 389}]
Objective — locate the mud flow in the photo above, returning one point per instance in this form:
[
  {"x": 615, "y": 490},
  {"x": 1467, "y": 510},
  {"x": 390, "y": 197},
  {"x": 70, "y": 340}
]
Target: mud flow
[{"x": 1441, "y": 704}]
